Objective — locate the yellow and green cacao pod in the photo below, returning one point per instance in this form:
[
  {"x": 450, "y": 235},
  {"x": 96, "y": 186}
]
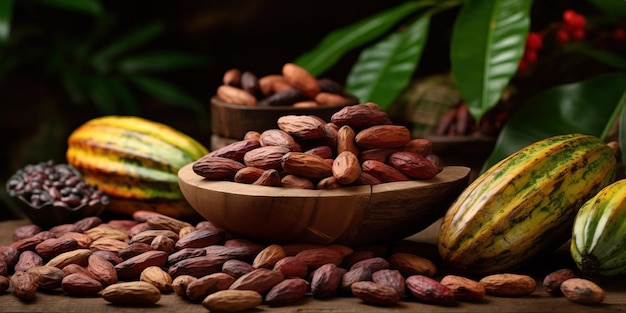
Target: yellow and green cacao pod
[
  {"x": 524, "y": 205},
  {"x": 134, "y": 159},
  {"x": 598, "y": 245}
]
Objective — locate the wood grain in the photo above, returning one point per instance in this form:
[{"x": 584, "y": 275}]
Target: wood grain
[
  {"x": 351, "y": 215},
  {"x": 232, "y": 121}
]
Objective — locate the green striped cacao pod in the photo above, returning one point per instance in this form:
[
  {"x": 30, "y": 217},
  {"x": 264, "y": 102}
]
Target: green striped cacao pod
[
  {"x": 525, "y": 204},
  {"x": 135, "y": 161},
  {"x": 598, "y": 244}
]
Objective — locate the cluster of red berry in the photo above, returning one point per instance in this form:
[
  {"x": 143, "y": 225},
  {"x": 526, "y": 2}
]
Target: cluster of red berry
[
  {"x": 619, "y": 34},
  {"x": 534, "y": 42},
  {"x": 573, "y": 27}
]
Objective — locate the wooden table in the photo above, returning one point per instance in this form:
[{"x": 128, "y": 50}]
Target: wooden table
[{"x": 539, "y": 301}]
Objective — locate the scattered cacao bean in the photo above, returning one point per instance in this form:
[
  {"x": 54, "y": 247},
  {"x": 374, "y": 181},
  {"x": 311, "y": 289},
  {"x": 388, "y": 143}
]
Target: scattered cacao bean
[
  {"x": 582, "y": 291},
  {"x": 552, "y": 282}
]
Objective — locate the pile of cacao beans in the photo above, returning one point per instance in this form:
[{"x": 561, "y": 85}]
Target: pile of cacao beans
[
  {"x": 55, "y": 184},
  {"x": 294, "y": 87},
  {"x": 138, "y": 260},
  {"x": 359, "y": 146}
]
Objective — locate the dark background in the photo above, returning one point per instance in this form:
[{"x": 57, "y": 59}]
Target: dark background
[
  {"x": 260, "y": 36},
  {"x": 36, "y": 116}
]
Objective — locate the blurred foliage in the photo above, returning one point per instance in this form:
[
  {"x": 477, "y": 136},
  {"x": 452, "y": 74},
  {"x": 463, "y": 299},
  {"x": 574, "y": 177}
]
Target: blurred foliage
[
  {"x": 80, "y": 44},
  {"x": 65, "y": 61}
]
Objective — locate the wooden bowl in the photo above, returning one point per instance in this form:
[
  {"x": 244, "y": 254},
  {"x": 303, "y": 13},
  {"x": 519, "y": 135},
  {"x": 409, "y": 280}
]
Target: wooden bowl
[
  {"x": 353, "y": 215},
  {"x": 49, "y": 214},
  {"x": 233, "y": 121}
]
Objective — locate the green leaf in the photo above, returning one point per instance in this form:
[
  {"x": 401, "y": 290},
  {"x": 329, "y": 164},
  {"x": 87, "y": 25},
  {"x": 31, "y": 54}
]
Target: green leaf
[
  {"x": 339, "y": 42},
  {"x": 81, "y": 6},
  {"x": 6, "y": 15},
  {"x": 124, "y": 96},
  {"x": 166, "y": 92},
  {"x": 605, "y": 57},
  {"x": 588, "y": 107},
  {"x": 383, "y": 70},
  {"x": 488, "y": 42},
  {"x": 622, "y": 128},
  {"x": 111, "y": 96},
  {"x": 611, "y": 7},
  {"x": 99, "y": 92},
  {"x": 74, "y": 85},
  {"x": 134, "y": 39},
  {"x": 160, "y": 61},
  {"x": 95, "y": 38}
]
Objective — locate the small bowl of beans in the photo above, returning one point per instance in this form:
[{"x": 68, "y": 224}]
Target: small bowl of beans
[{"x": 52, "y": 194}]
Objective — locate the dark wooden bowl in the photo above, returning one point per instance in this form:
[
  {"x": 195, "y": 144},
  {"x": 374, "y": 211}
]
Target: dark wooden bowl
[
  {"x": 49, "y": 215},
  {"x": 352, "y": 215},
  {"x": 232, "y": 121}
]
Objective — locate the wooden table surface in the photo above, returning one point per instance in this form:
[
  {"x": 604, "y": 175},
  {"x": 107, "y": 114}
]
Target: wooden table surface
[{"x": 539, "y": 301}]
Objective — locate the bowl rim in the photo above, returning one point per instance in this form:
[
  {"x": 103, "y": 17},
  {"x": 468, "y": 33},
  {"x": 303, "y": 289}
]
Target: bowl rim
[
  {"x": 371, "y": 207},
  {"x": 215, "y": 100},
  {"x": 457, "y": 172}
]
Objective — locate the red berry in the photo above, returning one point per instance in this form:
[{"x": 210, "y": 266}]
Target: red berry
[
  {"x": 574, "y": 20},
  {"x": 579, "y": 22},
  {"x": 530, "y": 56},
  {"x": 562, "y": 36},
  {"x": 569, "y": 16},
  {"x": 619, "y": 34},
  {"x": 578, "y": 34},
  {"x": 534, "y": 41},
  {"x": 523, "y": 64}
]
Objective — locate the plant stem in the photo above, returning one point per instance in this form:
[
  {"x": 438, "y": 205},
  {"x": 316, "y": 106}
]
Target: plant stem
[{"x": 622, "y": 125}]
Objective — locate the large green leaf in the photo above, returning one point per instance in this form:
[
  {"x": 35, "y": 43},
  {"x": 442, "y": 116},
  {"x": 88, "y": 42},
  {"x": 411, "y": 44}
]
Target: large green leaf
[
  {"x": 487, "y": 44},
  {"x": 166, "y": 92},
  {"x": 588, "y": 107},
  {"x": 383, "y": 70},
  {"x": 339, "y": 42},
  {"x": 6, "y": 14},
  {"x": 93, "y": 7},
  {"x": 160, "y": 61}
]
